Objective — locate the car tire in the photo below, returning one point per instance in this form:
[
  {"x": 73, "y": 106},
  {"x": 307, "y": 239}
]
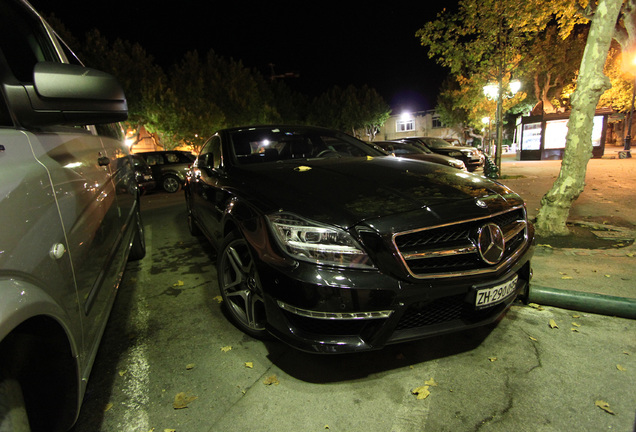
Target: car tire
[
  {"x": 138, "y": 248},
  {"x": 13, "y": 414},
  {"x": 240, "y": 286},
  {"x": 171, "y": 184}
]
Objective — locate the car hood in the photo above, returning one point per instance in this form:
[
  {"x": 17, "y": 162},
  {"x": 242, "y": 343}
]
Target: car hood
[
  {"x": 454, "y": 148},
  {"x": 430, "y": 157},
  {"x": 347, "y": 191}
]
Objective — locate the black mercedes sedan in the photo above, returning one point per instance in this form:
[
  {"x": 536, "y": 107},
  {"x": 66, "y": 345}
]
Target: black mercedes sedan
[{"x": 332, "y": 246}]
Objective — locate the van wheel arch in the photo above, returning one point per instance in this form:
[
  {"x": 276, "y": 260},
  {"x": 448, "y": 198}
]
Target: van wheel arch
[{"x": 37, "y": 357}]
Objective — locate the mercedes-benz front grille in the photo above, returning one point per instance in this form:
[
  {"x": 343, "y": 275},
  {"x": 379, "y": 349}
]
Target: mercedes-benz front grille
[{"x": 460, "y": 248}]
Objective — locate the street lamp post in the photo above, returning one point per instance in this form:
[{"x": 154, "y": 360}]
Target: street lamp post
[
  {"x": 485, "y": 145},
  {"x": 492, "y": 92},
  {"x": 629, "y": 66},
  {"x": 628, "y": 138}
]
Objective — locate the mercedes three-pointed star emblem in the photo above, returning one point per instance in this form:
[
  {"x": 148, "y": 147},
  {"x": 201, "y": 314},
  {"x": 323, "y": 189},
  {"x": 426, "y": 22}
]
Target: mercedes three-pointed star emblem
[{"x": 491, "y": 243}]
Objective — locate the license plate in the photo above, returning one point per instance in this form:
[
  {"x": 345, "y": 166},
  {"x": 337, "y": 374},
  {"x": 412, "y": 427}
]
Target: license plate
[{"x": 496, "y": 294}]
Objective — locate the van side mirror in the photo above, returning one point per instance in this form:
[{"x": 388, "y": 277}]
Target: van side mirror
[{"x": 65, "y": 94}]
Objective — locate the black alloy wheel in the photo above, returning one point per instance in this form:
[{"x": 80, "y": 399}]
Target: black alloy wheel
[{"x": 240, "y": 286}]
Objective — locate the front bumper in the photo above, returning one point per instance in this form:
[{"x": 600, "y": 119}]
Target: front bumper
[{"x": 327, "y": 310}]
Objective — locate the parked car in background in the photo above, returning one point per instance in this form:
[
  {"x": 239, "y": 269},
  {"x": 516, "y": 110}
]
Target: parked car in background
[
  {"x": 472, "y": 157},
  {"x": 454, "y": 142},
  {"x": 169, "y": 168},
  {"x": 70, "y": 220},
  {"x": 143, "y": 174},
  {"x": 332, "y": 246},
  {"x": 411, "y": 151}
]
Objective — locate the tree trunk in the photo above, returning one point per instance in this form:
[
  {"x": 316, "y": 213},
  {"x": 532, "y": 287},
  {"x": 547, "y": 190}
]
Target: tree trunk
[{"x": 556, "y": 203}]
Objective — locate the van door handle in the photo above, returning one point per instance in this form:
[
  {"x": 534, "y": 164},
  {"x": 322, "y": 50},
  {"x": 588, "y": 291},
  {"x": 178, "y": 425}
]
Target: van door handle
[{"x": 103, "y": 160}]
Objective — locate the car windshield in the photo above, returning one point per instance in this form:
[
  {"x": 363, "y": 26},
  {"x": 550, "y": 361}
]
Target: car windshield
[
  {"x": 139, "y": 161},
  {"x": 404, "y": 148},
  {"x": 279, "y": 144},
  {"x": 436, "y": 142}
]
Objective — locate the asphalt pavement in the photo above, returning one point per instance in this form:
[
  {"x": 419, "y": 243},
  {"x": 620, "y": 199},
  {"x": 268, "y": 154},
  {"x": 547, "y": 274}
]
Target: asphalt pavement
[{"x": 598, "y": 274}]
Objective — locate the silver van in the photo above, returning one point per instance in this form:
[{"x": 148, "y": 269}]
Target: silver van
[{"x": 69, "y": 219}]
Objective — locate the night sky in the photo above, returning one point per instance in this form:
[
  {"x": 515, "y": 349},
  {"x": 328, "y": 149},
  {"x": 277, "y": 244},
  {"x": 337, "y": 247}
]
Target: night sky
[{"x": 325, "y": 43}]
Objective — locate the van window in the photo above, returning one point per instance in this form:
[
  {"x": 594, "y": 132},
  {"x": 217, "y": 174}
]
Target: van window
[{"x": 23, "y": 40}]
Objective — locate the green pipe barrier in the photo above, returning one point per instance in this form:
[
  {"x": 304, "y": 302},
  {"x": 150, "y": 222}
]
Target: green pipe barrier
[{"x": 584, "y": 302}]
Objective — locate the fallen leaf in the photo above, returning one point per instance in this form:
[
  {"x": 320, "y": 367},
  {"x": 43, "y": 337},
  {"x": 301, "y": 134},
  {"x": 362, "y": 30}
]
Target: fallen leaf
[
  {"x": 553, "y": 324},
  {"x": 608, "y": 276},
  {"x": 544, "y": 245},
  {"x": 122, "y": 373},
  {"x": 576, "y": 316},
  {"x": 226, "y": 348},
  {"x": 421, "y": 392},
  {"x": 302, "y": 168},
  {"x": 190, "y": 366},
  {"x": 533, "y": 339},
  {"x": 179, "y": 283},
  {"x": 492, "y": 359},
  {"x": 108, "y": 406},
  {"x": 574, "y": 329},
  {"x": 249, "y": 365},
  {"x": 604, "y": 406},
  {"x": 271, "y": 380},
  {"x": 218, "y": 299},
  {"x": 620, "y": 368},
  {"x": 535, "y": 306},
  {"x": 431, "y": 383},
  {"x": 566, "y": 277},
  {"x": 169, "y": 430},
  {"x": 576, "y": 324},
  {"x": 181, "y": 400}
]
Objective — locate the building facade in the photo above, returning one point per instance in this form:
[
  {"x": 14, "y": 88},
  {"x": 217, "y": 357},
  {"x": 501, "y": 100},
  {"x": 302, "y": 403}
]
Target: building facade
[{"x": 420, "y": 123}]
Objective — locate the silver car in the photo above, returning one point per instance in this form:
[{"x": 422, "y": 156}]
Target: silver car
[{"x": 69, "y": 212}]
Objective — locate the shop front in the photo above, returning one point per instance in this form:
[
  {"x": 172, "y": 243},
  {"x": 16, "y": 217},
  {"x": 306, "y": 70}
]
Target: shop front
[{"x": 542, "y": 137}]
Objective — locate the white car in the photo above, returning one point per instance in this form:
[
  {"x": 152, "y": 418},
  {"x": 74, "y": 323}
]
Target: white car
[{"x": 69, "y": 212}]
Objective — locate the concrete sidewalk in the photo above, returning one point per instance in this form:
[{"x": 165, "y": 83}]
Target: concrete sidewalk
[{"x": 600, "y": 279}]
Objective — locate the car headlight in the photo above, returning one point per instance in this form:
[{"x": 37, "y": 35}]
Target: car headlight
[
  {"x": 317, "y": 243},
  {"x": 456, "y": 163}
]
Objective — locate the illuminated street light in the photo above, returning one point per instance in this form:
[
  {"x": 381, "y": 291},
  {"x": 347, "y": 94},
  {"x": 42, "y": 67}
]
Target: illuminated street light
[{"x": 492, "y": 92}]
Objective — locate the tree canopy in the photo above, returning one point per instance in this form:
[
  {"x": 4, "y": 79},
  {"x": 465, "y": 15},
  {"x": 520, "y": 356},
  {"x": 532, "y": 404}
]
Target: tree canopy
[{"x": 188, "y": 101}]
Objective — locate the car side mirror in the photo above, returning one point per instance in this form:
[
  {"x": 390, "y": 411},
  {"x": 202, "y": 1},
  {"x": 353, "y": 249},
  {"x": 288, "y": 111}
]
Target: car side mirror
[
  {"x": 66, "y": 94},
  {"x": 207, "y": 162}
]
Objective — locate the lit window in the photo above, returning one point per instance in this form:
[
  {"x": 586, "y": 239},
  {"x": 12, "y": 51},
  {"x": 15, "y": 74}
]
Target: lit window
[{"x": 405, "y": 125}]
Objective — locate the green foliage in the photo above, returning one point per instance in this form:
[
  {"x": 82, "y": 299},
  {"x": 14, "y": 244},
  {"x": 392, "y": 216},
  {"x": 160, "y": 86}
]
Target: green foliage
[
  {"x": 541, "y": 43},
  {"x": 350, "y": 110}
]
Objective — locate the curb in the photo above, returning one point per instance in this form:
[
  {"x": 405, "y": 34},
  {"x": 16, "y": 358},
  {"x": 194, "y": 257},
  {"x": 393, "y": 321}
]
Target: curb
[{"x": 582, "y": 301}]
